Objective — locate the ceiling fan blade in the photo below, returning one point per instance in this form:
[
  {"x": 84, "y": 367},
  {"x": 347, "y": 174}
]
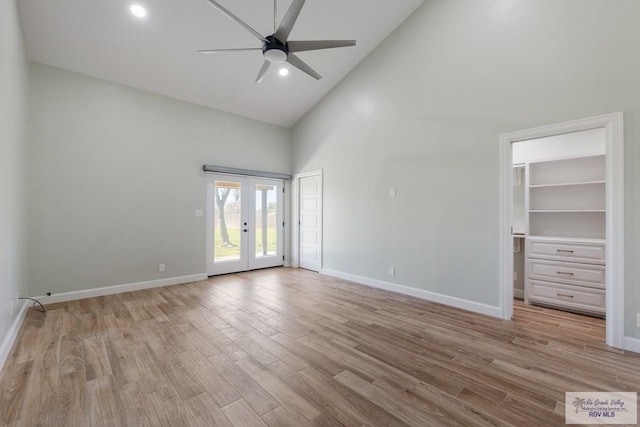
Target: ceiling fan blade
[
  {"x": 263, "y": 71},
  {"x": 289, "y": 20},
  {"x": 301, "y": 46},
  {"x": 300, "y": 65},
  {"x": 240, "y": 49},
  {"x": 235, "y": 18}
]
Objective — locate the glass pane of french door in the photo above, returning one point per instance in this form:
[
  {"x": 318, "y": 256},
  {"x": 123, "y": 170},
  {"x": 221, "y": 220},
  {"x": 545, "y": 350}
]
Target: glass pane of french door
[
  {"x": 227, "y": 219},
  {"x": 266, "y": 213}
]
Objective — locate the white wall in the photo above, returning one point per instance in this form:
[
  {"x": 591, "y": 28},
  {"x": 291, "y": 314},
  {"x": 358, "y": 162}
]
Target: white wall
[
  {"x": 13, "y": 140},
  {"x": 423, "y": 113},
  {"x": 116, "y": 177}
]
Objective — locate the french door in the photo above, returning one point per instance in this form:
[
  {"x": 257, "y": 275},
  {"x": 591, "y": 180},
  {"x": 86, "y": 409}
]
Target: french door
[{"x": 244, "y": 224}]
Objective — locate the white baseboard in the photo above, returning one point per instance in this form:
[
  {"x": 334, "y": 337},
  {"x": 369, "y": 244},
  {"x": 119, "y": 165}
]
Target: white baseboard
[
  {"x": 518, "y": 293},
  {"x": 631, "y": 344},
  {"x": 117, "y": 289},
  {"x": 418, "y": 293},
  {"x": 10, "y": 338}
]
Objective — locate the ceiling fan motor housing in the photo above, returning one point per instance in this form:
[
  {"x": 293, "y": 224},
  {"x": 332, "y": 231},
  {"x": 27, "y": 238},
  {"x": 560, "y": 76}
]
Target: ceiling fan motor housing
[{"x": 274, "y": 50}]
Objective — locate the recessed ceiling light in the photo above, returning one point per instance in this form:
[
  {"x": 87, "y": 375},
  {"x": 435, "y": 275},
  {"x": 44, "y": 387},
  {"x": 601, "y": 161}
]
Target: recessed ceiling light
[
  {"x": 283, "y": 72},
  {"x": 138, "y": 11}
]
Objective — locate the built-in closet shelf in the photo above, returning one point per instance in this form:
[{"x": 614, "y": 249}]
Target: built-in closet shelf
[
  {"x": 567, "y": 171},
  {"x": 568, "y": 198},
  {"x": 568, "y": 184},
  {"x": 568, "y": 211}
]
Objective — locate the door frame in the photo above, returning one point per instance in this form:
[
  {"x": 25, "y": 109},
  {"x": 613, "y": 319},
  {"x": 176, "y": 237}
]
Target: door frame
[
  {"x": 295, "y": 230},
  {"x": 613, "y": 123}
]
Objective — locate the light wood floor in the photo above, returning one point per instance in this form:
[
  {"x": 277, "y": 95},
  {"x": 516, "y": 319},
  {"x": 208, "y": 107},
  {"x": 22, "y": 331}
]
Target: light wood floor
[{"x": 287, "y": 347}]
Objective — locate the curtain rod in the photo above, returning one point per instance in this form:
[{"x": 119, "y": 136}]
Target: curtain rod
[{"x": 245, "y": 172}]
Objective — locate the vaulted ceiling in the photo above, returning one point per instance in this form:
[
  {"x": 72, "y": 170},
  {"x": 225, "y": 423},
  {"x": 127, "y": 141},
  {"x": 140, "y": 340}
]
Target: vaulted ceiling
[{"x": 158, "y": 53}]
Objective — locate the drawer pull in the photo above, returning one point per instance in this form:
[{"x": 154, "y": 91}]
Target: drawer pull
[
  {"x": 565, "y": 295},
  {"x": 568, "y": 251},
  {"x": 564, "y": 272}
]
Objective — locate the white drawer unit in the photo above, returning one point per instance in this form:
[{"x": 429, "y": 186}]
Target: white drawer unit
[
  {"x": 566, "y": 272},
  {"x": 589, "y": 251},
  {"x": 574, "y": 298},
  {"x": 569, "y": 274}
]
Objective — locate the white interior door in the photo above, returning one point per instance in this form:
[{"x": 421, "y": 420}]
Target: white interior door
[
  {"x": 244, "y": 224},
  {"x": 310, "y": 217}
]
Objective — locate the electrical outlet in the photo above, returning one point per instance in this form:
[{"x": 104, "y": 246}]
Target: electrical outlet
[
  {"x": 392, "y": 271},
  {"x": 515, "y": 275},
  {"x": 161, "y": 268}
]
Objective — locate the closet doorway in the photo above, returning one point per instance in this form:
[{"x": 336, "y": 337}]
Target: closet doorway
[{"x": 562, "y": 219}]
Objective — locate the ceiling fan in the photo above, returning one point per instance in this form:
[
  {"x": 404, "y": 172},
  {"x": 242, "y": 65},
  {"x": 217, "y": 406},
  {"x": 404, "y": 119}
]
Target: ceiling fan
[{"x": 277, "y": 48}]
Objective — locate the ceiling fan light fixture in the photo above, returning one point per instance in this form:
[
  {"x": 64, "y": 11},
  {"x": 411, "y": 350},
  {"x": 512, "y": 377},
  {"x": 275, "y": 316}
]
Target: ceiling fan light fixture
[
  {"x": 275, "y": 55},
  {"x": 138, "y": 11}
]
